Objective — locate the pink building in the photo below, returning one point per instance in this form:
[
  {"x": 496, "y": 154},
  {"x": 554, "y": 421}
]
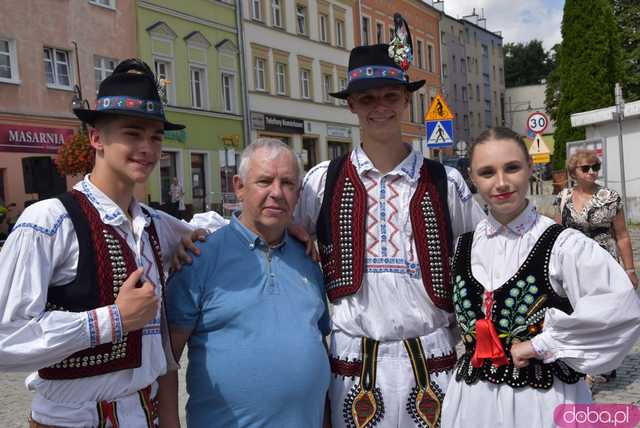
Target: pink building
[{"x": 49, "y": 49}]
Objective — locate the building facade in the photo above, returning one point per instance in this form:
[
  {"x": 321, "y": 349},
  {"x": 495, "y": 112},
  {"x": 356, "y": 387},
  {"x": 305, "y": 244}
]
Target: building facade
[
  {"x": 43, "y": 67},
  {"x": 374, "y": 24},
  {"x": 193, "y": 47},
  {"x": 296, "y": 53}
]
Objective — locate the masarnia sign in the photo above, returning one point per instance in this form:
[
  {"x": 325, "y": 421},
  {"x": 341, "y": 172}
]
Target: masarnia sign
[{"x": 32, "y": 139}]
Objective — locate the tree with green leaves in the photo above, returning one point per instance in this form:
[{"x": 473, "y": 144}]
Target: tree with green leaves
[
  {"x": 525, "y": 64},
  {"x": 589, "y": 65},
  {"x": 627, "y": 13}
]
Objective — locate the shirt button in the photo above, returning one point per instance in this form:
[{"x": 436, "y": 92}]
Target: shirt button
[{"x": 252, "y": 246}]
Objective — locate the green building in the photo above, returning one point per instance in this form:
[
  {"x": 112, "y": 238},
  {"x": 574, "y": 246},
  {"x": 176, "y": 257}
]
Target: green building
[{"x": 193, "y": 46}]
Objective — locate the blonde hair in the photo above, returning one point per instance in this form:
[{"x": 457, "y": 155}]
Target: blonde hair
[{"x": 584, "y": 155}]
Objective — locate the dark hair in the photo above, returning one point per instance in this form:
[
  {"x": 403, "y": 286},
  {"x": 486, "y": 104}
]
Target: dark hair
[{"x": 499, "y": 133}]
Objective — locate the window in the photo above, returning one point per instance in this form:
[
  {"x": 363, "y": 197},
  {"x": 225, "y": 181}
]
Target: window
[
  {"x": 57, "y": 67},
  {"x": 322, "y": 28},
  {"x": 391, "y": 34},
  {"x": 465, "y": 122},
  {"x": 339, "y": 33},
  {"x": 276, "y": 13},
  {"x": 259, "y": 74},
  {"x": 471, "y": 118},
  {"x": 228, "y": 92},
  {"x": 420, "y": 54},
  {"x": 430, "y": 58},
  {"x": 464, "y": 93},
  {"x": 106, "y": 3},
  {"x": 281, "y": 78},
  {"x": 336, "y": 149},
  {"x": 305, "y": 83},
  {"x": 443, "y": 38},
  {"x": 327, "y": 87},
  {"x": 444, "y": 71},
  {"x": 478, "y": 92},
  {"x": 365, "y": 30},
  {"x": 301, "y": 18},
  {"x": 412, "y": 109},
  {"x": 8, "y": 61},
  {"x": 342, "y": 85},
  {"x": 453, "y": 64},
  {"x": 455, "y": 92},
  {"x": 256, "y": 10},
  {"x": 103, "y": 67},
  {"x": 463, "y": 65},
  {"x": 470, "y": 91},
  {"x": 421, "y": 118},
  {"x": 379, "y": 32},
  {"x": 198, "y": 84},
  {"x": 163, "y": 73}
]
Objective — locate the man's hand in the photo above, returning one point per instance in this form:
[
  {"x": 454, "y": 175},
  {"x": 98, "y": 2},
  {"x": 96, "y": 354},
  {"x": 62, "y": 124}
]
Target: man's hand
[
  {"x": 522, "y": 352},
  {"x": 137, "y": 305},
  {"x": 301, "y": 235},
  {"x": 187, "y": 244}
]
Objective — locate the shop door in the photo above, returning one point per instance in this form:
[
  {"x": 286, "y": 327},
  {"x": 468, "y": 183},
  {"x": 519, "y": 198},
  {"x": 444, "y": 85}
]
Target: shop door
[{"x": 198, "y": 182}]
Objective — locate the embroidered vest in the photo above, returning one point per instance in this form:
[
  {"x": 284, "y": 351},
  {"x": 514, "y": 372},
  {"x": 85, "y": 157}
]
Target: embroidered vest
[
  {"x": 341, "y": 231},
  {"x": 517, "y": 313},
  {"x": 104, "y": 263}
]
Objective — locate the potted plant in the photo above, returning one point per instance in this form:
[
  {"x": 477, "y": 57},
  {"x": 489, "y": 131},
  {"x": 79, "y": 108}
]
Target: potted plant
[{"x": 75, "y": 156}]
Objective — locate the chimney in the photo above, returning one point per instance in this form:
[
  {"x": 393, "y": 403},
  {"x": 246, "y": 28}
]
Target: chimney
[{"x": 439, "y": 5}]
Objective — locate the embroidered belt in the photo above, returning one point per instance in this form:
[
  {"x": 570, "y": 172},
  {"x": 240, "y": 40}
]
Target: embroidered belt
[
  {"x": 353, "y": 368},
  {"x": 364, "y": 406}
]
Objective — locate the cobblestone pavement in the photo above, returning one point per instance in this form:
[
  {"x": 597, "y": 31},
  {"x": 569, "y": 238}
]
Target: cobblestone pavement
[{"x": 15, "y": 399}]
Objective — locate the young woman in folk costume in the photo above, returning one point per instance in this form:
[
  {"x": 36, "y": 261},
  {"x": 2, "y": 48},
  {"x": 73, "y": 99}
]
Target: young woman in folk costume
[{"x": 537, "y": 304}]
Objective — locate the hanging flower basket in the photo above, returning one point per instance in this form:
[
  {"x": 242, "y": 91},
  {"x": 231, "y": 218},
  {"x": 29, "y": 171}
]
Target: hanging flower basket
[{"x": 75, "y": 156}]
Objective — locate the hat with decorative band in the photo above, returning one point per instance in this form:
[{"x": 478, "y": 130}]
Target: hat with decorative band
[
  {"x": 131, "y": 90},
  {"x": 375, "y": 66}
]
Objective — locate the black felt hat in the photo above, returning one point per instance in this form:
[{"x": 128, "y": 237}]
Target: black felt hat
[{"x": 131, "y": 90}]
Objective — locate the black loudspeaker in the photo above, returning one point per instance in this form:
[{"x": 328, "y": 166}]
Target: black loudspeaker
[{"x": 41, "y": 176}]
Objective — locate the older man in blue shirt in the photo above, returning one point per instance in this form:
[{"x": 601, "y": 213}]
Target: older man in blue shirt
[{"x": 252, "y": 309}]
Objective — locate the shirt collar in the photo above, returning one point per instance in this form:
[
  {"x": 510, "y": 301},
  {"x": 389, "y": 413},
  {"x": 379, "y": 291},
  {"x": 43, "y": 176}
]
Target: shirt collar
[
  {"x": 518, "y": 226},
  {"x": 110, "y": 212},
  {"x": 252, "y": 239},
  {"x": 409, "y": 167}
]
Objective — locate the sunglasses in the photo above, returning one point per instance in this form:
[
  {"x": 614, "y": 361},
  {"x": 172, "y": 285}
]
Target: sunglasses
[{"x": 585, "y": 168}]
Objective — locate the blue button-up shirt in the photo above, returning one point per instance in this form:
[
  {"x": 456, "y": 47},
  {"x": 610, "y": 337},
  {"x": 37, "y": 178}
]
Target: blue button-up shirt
[{"x": 257, "y": 317}]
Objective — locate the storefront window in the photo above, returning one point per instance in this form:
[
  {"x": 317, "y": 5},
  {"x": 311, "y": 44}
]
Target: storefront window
[
  {"x": 168, "y": 170},
  {"x": 198, "y": 181},
  {"x": 337, "y": 149},
  {"x": 309, "y": 145}
]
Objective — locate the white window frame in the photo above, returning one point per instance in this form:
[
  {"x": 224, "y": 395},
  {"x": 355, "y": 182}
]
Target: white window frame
[
  {"x": 327, "y": 87},
  {"x": 281, "y": 78},
  {"x": 204, "y": 87},
  {"x": 256, "y": 74},
  {"x": 339, "y": 33},
  {"x": 228, "y": 101},
  {"x": 365, "y": 33},
  {"x": 69, "y": 64},
  {"x": 170, "y": 75},
  {"x": 342, "y": 85},
  {"x": 305, "y": 84},
  {"x": 102, "y": 68},
  {"x": 109, "y": 4},
  {"x": 301, "y": 16},
  {"x": 13, "y": 63},
  {"x": 323, "y": 28},
  {"x": 276, "y": 12},
  {"x": 420, "y": 54},
  {"x": 256, "y": 14}
]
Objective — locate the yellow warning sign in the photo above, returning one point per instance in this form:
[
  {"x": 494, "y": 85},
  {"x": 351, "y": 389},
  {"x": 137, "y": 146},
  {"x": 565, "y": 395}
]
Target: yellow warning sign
[
  {"x": 439, "y": 110},
  {"x": 538, "y": 146},
  {"x": 541, "y": 158}
]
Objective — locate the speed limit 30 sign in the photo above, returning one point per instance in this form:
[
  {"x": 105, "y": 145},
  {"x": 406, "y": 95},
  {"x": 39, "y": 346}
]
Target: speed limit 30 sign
[{"x": 537, "y": 122}]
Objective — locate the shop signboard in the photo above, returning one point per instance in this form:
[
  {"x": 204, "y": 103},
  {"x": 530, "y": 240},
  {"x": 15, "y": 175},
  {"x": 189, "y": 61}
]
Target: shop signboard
[{"x": 32, "y": 139}]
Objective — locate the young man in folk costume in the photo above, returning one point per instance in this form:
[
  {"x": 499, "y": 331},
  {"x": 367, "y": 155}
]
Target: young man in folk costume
[
  {"x": 385, "y": 219},
  {"x": 81, "y": 276}
]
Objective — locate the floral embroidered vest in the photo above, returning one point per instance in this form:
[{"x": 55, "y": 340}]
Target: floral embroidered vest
[
  {"x": 104, "y": 263},
  {"x": 517, "y": 313},
  {"x": 342, "y": 227}
]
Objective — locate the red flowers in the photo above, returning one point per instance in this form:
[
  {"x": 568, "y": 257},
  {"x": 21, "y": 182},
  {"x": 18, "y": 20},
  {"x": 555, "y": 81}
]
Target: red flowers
[{"x": 75, "y": 156}]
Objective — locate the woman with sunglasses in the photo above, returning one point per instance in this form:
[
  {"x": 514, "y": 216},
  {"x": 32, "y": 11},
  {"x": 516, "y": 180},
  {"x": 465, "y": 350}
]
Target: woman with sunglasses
[{"x": 597, "y": 212}]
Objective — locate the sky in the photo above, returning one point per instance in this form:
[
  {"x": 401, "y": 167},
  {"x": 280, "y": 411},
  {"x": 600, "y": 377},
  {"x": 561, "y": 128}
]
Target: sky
[{"x": 519, "y": 20}]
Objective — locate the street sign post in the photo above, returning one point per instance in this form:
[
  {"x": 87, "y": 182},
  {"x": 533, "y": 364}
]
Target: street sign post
[
  {"x": 539, "y": 150},
  {"x": 439, "y": 124},
  {"x": 537, "y": 122}
]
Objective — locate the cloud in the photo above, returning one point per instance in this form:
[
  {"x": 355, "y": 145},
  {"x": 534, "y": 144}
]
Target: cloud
[{"x": 519, "y": 20}]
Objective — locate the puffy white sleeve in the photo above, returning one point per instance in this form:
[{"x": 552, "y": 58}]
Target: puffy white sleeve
[
  {"x": 310, "y": 200},
  {"x": 464, "y": 210},
  {"x": 605, "y": 323},
  {"x": 41, "y": 252}
]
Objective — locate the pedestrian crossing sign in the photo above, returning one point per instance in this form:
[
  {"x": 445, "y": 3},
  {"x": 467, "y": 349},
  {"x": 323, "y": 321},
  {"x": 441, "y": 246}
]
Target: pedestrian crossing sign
[
  {"x": 439, "y": 133},
  {"x": 439, "y": 110}
]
